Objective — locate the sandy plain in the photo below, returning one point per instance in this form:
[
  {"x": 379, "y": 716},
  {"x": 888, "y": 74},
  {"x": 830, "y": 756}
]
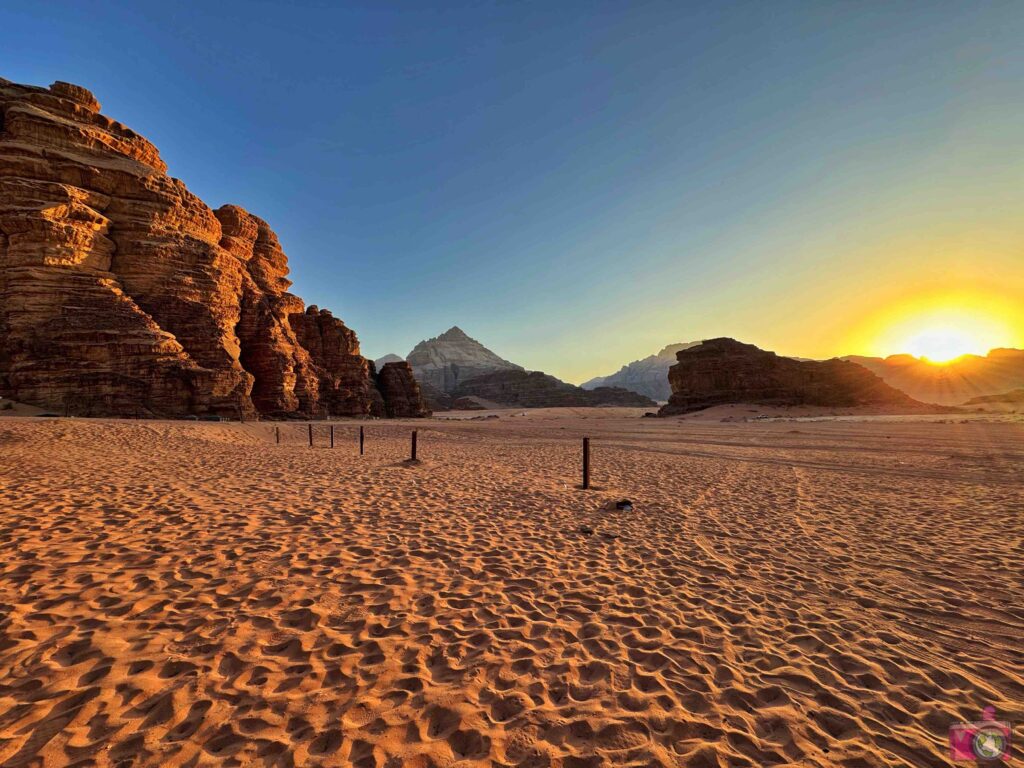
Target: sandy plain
[{"x": 783, "y": 593}]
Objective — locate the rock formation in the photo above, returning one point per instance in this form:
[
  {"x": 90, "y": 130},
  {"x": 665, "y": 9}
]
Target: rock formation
[
  {"x": 533, "y": 389},
  {"x": 122, "y": 293},
  {"x": 647, "y": 377},
  {"x": 447, "y": 360},
  {"x": 723, "y": 371},
  {"x": 1001, "y": 370}
]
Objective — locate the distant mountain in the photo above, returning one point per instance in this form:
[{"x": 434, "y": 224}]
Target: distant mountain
[
  {"x": 533, "y": 389},
  {"x": 453, "y": 366},
  {"x": 1016, "y": 397},
  {"x": 380, "y": 362},
  {"x": 647, "y": 377},
  {"x": 970, "y": 376},
  {"x": 722, "y": 371},
  {"x": 445, "y": 361}
]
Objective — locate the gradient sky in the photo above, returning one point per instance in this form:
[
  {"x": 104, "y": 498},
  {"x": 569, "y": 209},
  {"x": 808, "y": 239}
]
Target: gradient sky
[{"x": 579, "y": 184}]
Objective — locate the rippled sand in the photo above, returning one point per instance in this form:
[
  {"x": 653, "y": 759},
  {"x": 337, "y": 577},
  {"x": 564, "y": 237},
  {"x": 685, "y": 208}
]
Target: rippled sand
[{"x": 809, "y": 594}]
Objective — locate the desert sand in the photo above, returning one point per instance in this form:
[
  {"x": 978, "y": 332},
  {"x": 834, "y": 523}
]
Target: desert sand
[{"x": 784, "y": 593}]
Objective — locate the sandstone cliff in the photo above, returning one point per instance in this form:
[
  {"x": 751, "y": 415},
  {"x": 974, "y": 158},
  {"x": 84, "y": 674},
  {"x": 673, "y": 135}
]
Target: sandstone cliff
[
  {"x": 646, "y": 377},
  {"x": 723, "y": 371},
  {"x": 533, "y": 389},
  {"x": 122, "y": 293},
  {"x": 446, "y": 361}
]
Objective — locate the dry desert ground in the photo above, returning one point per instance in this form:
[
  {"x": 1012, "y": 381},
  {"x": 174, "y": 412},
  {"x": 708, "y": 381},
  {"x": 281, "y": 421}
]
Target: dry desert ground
[{"x": 783, "y": 593}]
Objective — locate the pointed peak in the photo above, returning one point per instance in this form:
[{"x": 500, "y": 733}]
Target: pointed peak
[{"x": 453, "y": 334}]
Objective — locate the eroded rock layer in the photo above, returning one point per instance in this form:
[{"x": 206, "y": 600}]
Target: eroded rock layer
[
  {"x": 721, "y": 371},
  {"x": 122, "y": 293}
]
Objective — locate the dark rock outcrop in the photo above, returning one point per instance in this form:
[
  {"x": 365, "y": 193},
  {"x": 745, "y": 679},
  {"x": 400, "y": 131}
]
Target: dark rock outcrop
[
  {"x": 533, "y": 389},
  {"x": 122, "y": 293},
  {"x": 721, "y": 371},
  {"x": 401, "y": 392}
]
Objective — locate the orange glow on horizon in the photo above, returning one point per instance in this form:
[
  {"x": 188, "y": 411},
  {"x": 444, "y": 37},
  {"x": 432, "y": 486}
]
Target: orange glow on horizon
[{"x": 944, "y": 328}]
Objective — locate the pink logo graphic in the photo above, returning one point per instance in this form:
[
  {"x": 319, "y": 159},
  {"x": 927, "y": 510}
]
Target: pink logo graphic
[{"x": 987, "y": 739}]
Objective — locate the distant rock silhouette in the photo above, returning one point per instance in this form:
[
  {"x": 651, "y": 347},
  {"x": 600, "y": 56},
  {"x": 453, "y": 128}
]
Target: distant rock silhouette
[
  {"x": 122, "y": 293},
  {"x": 380, "y": 362},
  {"x": 720, "y": 371},
  {"x": 444, "y": 362},
  {"x": 647, "y": 377},
  {"x": 1001, "y": 370}
]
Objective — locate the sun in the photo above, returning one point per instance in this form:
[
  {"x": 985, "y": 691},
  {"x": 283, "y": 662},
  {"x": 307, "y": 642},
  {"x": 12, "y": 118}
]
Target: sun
[{"x": 944, "y": 345}]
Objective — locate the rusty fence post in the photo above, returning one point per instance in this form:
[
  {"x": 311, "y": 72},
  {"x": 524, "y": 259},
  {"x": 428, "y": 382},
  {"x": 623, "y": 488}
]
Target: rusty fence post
[{"x": 586, "y": 463}]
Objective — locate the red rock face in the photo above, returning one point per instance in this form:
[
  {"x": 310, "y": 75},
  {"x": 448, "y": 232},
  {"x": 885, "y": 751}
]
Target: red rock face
[
  {"x": 340, "y": 375},
  {"x": 122, "y": 293}
]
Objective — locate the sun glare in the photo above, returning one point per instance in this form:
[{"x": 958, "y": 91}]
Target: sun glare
[{"x": 943, "y": 345}]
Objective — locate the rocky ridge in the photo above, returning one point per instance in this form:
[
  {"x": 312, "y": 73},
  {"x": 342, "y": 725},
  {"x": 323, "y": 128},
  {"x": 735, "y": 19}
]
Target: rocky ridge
[
  {"x": 122, "y": 293},
  {"x": 533, "y": 389},
  {"x": 952, "y": 383}
]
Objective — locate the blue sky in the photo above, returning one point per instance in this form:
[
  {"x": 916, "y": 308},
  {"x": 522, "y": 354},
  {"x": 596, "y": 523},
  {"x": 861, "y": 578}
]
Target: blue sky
[{"x": 579, "y": 184}]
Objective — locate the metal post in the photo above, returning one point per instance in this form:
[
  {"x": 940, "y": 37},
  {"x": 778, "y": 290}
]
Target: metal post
[
  {"x": 332, "y": 435},
  {"x": 362, "y": 439},
  {"x": 277, "y": 434},
  {"x": 586, "y": 463},
  {"x": 311, "y": 435},
  {"x": 414, "y": 445}
]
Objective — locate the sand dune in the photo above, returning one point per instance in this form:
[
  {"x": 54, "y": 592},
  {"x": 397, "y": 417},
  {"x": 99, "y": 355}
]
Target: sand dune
[{"x": 811, "y": 594}]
